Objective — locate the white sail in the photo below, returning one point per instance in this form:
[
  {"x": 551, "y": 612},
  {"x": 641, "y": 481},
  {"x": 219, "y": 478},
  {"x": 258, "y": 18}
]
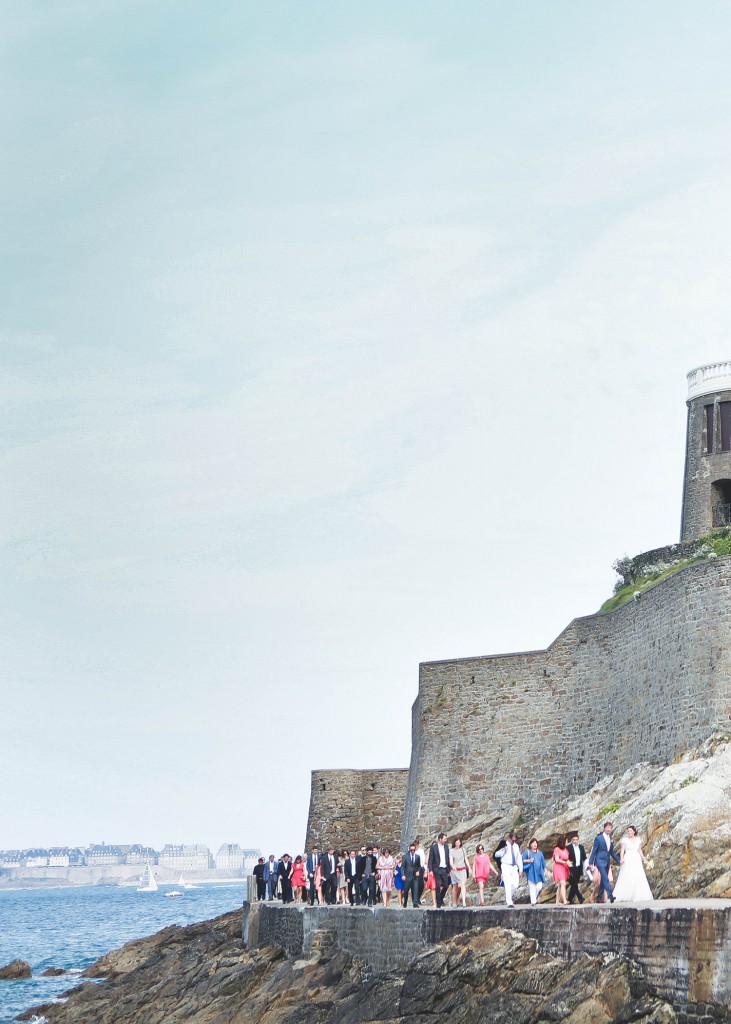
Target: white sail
[
  {"x": 181, "y": 882},
  {"x": 150, "y": 883}
]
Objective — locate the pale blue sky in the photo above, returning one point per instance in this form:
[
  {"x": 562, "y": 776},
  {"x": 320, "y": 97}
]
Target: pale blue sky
[{"x": 335, "y": 337}]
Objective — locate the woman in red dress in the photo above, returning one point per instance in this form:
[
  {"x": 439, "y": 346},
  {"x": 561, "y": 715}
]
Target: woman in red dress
[
  {"x": 561, "y": 869},
  {"x": 299, "y": 879},
  {"x": 482, "y": 867}
]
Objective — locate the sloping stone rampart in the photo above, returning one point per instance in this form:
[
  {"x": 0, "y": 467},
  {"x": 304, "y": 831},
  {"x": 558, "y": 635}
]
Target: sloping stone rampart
[{"x": 514, "y": 733}]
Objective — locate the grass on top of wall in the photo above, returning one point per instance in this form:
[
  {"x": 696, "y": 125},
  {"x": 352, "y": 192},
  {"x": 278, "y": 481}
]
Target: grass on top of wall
[
  {"x": 714, "y": 544},
  {"x": 627, "y": 592}
]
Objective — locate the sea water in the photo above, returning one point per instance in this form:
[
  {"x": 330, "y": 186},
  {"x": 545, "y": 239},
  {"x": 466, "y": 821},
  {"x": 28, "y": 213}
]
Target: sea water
[{"x": 71, "y": 928}]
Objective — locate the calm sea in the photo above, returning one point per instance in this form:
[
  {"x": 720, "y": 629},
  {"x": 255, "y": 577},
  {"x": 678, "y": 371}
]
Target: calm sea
[{"x": 71, "y": 928}]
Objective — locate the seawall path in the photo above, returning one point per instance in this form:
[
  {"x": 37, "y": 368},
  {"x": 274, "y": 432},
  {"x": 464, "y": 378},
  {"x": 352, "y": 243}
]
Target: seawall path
[{"x": 683, "y": 946}]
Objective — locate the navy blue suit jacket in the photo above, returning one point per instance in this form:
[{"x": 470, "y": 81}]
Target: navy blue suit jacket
[{"x": 599, "y": 852}]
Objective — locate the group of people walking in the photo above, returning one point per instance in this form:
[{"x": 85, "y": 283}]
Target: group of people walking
[
  {"x": 364, "y": 877},
  {"x": 571, "y": 866}
]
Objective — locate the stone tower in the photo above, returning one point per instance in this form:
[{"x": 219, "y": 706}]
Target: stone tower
[{"x": 707, "y": 485}]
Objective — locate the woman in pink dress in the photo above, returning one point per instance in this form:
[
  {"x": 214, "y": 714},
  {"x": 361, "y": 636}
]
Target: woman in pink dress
[
  {"x": 482, "y": 867},
  {"x": 299, "y": 879},
  {"x": 385, "y": 868},
  {"x": 561, "y": 869}
]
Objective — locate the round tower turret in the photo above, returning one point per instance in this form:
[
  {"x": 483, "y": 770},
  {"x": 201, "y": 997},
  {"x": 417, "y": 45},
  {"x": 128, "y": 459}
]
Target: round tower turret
[{"x": 707, "y": 485}]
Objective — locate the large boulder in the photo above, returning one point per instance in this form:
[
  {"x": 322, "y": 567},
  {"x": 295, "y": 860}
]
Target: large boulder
[{"x": 14, "y": 970}]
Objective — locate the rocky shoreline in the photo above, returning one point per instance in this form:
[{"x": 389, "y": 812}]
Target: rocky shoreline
[{"x": 203, "y": 974}]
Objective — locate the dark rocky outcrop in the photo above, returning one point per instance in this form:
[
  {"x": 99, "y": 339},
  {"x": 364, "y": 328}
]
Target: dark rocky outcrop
[
  {"x": 53, "y": 972},
  {"x": 14, "y": 970},
  {"x": 204, "y": 975}
]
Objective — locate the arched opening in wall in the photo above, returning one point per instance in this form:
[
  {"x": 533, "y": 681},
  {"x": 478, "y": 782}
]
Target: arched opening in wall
[{"x": 721, "y": 502}]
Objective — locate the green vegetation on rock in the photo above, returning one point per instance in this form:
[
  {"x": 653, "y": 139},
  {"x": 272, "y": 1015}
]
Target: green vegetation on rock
[{"x": 643, "y": 571}]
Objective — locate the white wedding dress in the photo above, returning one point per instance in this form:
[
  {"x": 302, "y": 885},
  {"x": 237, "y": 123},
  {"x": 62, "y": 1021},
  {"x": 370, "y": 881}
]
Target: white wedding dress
[{"x": 632, "y": 885}]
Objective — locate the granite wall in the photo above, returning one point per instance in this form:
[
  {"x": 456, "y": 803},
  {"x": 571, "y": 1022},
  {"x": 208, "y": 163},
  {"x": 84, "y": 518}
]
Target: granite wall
[
  {"x": 701, "y": 469},
  {"x": 514, "y": 733},
  {"x": 685, "y": 951},
  {"x": 349, "y": 808}
]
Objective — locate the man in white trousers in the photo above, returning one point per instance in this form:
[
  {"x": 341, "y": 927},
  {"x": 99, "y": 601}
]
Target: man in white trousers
[{"x": 511, "y": 866}]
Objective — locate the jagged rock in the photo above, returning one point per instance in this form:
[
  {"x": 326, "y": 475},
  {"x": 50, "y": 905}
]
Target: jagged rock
[
  {"x": 53, "y": 972},
  {"x": 14, "y": 970},
  {"x": 204, "y": 975}
]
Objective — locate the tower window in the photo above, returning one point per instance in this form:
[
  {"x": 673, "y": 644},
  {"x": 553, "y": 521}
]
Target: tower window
[
  {"x": 725, "y": 408},
  {"x": 708, "y": 430}
]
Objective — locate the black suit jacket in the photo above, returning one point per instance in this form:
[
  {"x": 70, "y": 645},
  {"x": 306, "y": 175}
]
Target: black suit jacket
[
  {"x": 576, "y": 869},
  {"x": 360, "y": 864},
  {"x": 434, "y": 858},
  {"x": 411, "y": 868},
  {"x": 285, "y": 869},
  {"x": 325, "y": 865}
]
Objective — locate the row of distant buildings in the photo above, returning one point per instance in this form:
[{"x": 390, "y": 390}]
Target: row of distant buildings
[{"x": 179, "y": 857}]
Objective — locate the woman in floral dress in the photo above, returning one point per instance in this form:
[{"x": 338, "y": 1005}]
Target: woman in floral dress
[{"x": 384, "y": 869}]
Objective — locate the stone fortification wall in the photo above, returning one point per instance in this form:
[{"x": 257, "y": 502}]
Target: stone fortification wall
[
  {"x": 514, "y": 733},
  {"x": 702, "y": 469},
  {"x": 682, "y": 949},
  {"x": 351, "y": 807}
]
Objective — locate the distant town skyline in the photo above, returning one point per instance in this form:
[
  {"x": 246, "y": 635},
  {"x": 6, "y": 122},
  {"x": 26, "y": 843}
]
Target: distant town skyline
[{"x": 333, "y": 339}]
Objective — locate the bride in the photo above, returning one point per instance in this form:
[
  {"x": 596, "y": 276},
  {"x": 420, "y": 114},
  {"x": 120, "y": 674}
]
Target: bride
[{"x": 632, "y": 885}]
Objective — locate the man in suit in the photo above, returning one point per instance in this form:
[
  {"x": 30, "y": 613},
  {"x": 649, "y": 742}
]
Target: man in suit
[
  {"x": 601, "y": 853},
  {"x": 285, "y": 875},
  {"x": 439, "y": 867},
  {"x": 261, "y": 885},
  {"x": 313, "y": 859},
  {"x": 329, "y": 869},
  {"x": 412, "y": 872},
  {"x": 577, "y": 858},
  {"x": 367, "y": 868},
  {"x": 351, "y": 878},
  {"x": 271, "y": 875},
  {"x": 511, "y": 866}
]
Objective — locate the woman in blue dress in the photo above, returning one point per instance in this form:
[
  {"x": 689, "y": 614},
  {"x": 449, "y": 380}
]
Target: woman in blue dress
[
  {"x": 398, "y": 879},
  {"x": 534, "y": 865}
]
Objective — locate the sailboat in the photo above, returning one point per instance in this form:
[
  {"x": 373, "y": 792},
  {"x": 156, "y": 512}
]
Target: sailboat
[
  {"x": 185, "y": 885},
  {"x": 150, "y": 883}
]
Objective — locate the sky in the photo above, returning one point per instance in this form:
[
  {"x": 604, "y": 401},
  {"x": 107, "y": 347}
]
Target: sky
[{"x": 335, "y": 338}]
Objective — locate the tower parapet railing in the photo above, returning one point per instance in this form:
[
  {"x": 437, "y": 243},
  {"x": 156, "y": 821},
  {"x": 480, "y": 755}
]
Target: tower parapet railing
[{"x": 711, "y": 377}]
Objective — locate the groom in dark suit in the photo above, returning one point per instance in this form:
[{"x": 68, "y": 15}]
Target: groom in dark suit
[{"x": 601, "y": 853}]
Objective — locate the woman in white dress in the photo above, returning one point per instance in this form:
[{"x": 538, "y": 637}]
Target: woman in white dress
[{"x": 632, "y": 885}]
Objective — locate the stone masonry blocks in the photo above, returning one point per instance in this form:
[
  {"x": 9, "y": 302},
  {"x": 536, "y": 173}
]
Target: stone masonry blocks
[
  {"x": 351, "y": 807},
  {"x": 643, "y": 683}
]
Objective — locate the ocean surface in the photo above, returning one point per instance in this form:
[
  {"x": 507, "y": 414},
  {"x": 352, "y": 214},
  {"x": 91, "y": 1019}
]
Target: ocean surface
[{"x": 71, "y": 928}]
